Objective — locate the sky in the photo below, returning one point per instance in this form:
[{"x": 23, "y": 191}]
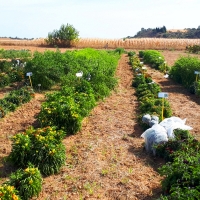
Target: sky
[{"x": 102, "y": 19}]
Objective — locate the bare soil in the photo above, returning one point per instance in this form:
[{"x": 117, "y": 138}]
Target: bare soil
[{"x": 106, "y": 159}]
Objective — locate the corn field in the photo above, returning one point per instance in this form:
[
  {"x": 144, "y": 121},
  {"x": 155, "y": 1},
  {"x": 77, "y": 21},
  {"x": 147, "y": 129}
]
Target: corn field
[{"x": 136, "y": 43}]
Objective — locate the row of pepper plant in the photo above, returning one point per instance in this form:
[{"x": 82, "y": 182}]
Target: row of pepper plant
[
  {"x": 39, "y": 152},
  {"x": 181, "y": 170},
  {"x": 185, "y": 71}
]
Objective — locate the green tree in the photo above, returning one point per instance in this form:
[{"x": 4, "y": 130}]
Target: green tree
[{"x": 65, "y": 36}]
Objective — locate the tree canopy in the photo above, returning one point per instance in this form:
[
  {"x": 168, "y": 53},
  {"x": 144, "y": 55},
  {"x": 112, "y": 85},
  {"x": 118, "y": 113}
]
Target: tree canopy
[{"x": 63, "y": 37}]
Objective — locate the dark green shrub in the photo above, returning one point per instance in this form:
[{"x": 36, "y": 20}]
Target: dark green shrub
[
  {"x": 153, "y": 58},
  {"x": 4, "y": 80},
  {"x": 28, "y": 182},
  {"x": 47, "y": 68},
  {"x": 119, "y": 50},
  {"x": 182, "y": 173},
  {"x": 138, "y": 79},
  {"x": 183, "y": 70},
  {"x": 131, "y": 53},
  {"x": 41, "y": 147},
  {"x": 141, "y": 54},
  {"x": 193, "y": 49},
  {"x": 63, "y": 113}
]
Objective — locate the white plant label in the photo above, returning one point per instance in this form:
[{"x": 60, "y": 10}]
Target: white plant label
[
  {"x": 29, "y": 74},
  {"x": 196, "y": 72},
  {"x": 79, "y": 75},
  {"x": 163, "y": 95}
]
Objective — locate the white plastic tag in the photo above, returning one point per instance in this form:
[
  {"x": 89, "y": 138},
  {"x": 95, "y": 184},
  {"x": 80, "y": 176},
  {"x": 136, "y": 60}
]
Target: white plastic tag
[{"x": 163, "y": 95}]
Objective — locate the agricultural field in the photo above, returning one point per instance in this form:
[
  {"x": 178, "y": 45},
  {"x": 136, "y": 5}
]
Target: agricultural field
[{"x": 106, "y": 158}]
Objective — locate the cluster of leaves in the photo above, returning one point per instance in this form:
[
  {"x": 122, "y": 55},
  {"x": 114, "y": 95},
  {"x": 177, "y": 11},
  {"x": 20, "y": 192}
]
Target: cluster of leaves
[
  {"x": 134, "y": 61},
  {"x": 155, "y": 59},
  {"x": 8, "y": 192},
  {"x": 182, "y": 172},
  {"x": 183, "y": 72},
  {"x": 166, "y": 150},
  {"x": 47, "y": 68},
  {"x": 67, "y": 108},
  {"x": 12, "y": 53},
  {"x": 193, "y": 49},
  {"x": 120, "y": 50},
  {"x": 14, "y": 99},
  {"x": 41, "y": 147},
  {"x": 10, "y": 74},
  {"x": 27, "y": 183}
]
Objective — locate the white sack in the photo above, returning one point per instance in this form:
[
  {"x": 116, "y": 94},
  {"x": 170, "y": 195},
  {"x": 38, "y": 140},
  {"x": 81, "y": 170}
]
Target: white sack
[
  {"x": 174, "y": 123},
  {"x": 154, "y": 135}
]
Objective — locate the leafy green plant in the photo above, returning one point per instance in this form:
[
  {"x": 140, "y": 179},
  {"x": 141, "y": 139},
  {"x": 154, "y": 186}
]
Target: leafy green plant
[
  {"x": 41, "y": 147},
  {"x": 16, "y": 75},
  {"x": 183, "y": 70},
  {"x": 63, "y": 113},
  {"x": 153, "y": 57},
  {"x": 47, "y": 68},
  {"x": 120, "y": 50},
  {"x": 4, "y": 80},
  {"x": 28, "y": 182},
  {"x": 141, "y": 54},
  {"x": 8, "y": 192},
  {"x": 182, "y": 173},
  {"x": 193, "y": 49},
  {"x": 131, "y": 53}
]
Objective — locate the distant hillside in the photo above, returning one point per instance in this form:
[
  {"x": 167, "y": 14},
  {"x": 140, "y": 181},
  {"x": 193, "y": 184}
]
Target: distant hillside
[{"x": 164, "y": 33}]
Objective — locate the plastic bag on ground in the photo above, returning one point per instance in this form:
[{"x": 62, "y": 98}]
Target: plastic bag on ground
[
  {"x": 172, "y": 123},
  {"x": 155, "y": 135},
  {"x": 152, "y": 123},
  {"x": 146, "y": 118}
]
